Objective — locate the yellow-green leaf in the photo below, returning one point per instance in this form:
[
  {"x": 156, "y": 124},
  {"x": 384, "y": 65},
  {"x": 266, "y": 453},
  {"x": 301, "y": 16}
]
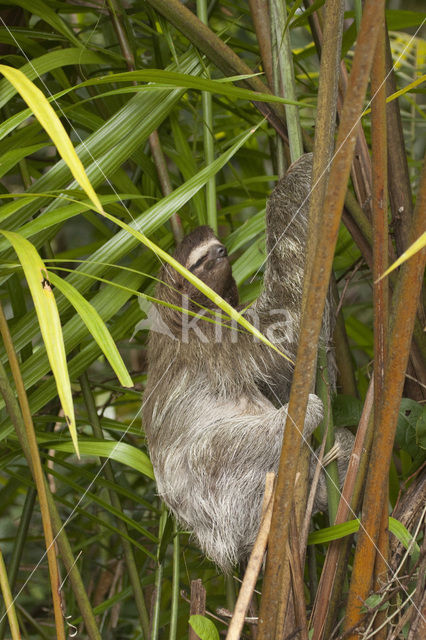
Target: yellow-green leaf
[
  {"x": 48, "y": 318},
  {"x": 48, "y": 119},
  {"x": 419, "y": 244},
  {"x": 96, "y": 326},
  {"x": 119, "y": 451}
]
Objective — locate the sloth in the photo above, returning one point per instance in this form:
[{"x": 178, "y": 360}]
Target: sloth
[{"x": 215, "y": 402}]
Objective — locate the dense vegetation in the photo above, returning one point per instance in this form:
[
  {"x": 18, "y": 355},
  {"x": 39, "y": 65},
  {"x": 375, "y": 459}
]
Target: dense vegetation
[{"x": 162, "y": 113}]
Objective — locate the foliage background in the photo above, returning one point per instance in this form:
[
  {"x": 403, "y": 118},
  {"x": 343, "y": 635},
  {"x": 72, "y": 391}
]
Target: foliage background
[{"x": 60, "y": 46}]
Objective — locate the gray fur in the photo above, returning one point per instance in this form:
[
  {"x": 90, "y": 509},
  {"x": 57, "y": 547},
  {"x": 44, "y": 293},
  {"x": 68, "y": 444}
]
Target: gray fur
[{"x": 214, "y": 412}]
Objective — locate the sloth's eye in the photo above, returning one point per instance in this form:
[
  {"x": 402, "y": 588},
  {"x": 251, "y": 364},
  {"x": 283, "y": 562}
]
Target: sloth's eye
[{"x": 198, "y": 263}]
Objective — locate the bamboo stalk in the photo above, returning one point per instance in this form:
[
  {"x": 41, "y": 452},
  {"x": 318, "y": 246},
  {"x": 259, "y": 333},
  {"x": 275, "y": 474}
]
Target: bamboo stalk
[
  {"x": 8, "y": 601},
  {"x": 208, "y": 135},
  {"x": 197, "y": 604},
  {"x": 116, "y": 503},
  {"x": 406, "y": 299},
  {"x": 272, "y": 598},
  {"x": 285, "y": 71},
  {"x": 381, "y": 287},
  {"x": 254, "y": 564},
  {"x": 117, "y": 14},
  {"x": 219, "y": 53},
  {"x": 35, "y": 468},
  {"x": 175, "y": 583},
  {"x": 58, "y": 529},
  {"x": 334, "y": 561},
  {"x": 259, "y": 10}
]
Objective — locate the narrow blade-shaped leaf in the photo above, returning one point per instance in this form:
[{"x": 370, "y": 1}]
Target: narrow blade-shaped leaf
[
  {"x": 48, "y": 318},
  {"x": 47, "y": 117},
  {"x": 119, "y": 451},
  {"x": 96, "y": 326}
]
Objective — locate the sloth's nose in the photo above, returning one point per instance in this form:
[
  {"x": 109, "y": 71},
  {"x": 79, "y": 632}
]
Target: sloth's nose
[{"x": 218, "y": 251}]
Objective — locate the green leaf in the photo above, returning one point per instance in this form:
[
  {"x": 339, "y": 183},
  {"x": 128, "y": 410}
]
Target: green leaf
[
  {"x": 47, "y": 14},
  {"x": 163, "y": 78},
  {"x": 119, "y": 451},
  {"x": 337, "y": 531},
  {"x": 397, "y": 20},
  {"x": 421, "y": 429},
  {"x": 10, "y": 158},
  {"x": 374, "y": 601},
  {"x": 96, "y": 326},
  {"x": 45, "y": 63},
  {"x": 410, "y": 412},
  {"x": 47, "y": 117},
  {"x": 50, "y": 324},
  {"x": 204, "y": 628},
  {"x": 346, "y": 410}
]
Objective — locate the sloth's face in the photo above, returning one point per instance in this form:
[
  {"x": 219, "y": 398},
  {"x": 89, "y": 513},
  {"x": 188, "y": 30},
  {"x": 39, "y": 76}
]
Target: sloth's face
[
  {"x": 209, "y": 262},
  {"x": 208, "y": 259}
]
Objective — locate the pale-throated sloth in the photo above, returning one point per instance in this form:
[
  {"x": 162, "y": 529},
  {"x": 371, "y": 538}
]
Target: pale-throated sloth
[{"x": 215, "y": 402}]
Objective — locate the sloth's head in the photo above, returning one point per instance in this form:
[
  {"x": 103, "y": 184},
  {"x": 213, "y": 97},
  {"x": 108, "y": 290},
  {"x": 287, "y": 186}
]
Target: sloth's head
[{"x": 206, "y": 257}]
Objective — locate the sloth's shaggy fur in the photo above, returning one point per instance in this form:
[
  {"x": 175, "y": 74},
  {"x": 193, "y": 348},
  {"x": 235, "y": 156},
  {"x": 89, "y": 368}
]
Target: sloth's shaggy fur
[{"x": 214, "y": 409}]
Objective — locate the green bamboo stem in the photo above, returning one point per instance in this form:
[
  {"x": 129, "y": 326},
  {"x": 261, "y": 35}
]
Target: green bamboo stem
[
  {"x": 219, "y": 53},
  {"x": 36, "y": 470},
  {"x": 286, "y": 79},
  {"x": 156, "y": 609},
  {"x": 175, "y": 583},
  {"x": 8, "y": 601},
  {"x": 118, "y": 16},
  {"x": 272, "y": 598},
  {"x": 58, "y": 529},
  {"x": 18, "y": 548},
  {"x": 115, "y": 501},
  {"x": 208, "y": 134},
  {"x": 358, "y": 13},
  {"x": 332, "y": 476}
]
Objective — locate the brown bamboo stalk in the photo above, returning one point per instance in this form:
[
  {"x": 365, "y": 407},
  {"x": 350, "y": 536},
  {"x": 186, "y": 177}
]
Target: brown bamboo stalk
[
  {"x": 289, "y": 614},
  {"x": 344, "y": 512},
  {"x": 116, "y": 12},
  {"x": 37, "y": 473},
  {"x": 297, "y": 579},
  {"x": 406, "y": 297},
  {"x": 272, "y": 597},
  {"x": 254, "y": 564},
  {"x": 400, "y": 196},
  {"x": 259, "y": 10},
  {"x": 361, "y": 165},
  {"x": 197, "y": 605},
  {"x": 220, "y": 54},
  {"x": 325, "y": 124},
  {"x": 381, "y": 287}
]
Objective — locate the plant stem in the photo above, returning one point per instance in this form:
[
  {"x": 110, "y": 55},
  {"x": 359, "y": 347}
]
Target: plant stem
[
  {"x": 381, "y": 287},
  {"x": 59, "y": 531},
  {"x": 8, "y": 601},
  {"x": 406, "y": 298},
  {"x": 286, "y": 80},
  {"x": 35, "y": 467},
  {"x": 273, "y": 600},
  {"x": 18, "y": 547},
  {"x": 208, "y": 128},
  {"x": 115, "y": 501},
  {"x": 175, "y": 583}
]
